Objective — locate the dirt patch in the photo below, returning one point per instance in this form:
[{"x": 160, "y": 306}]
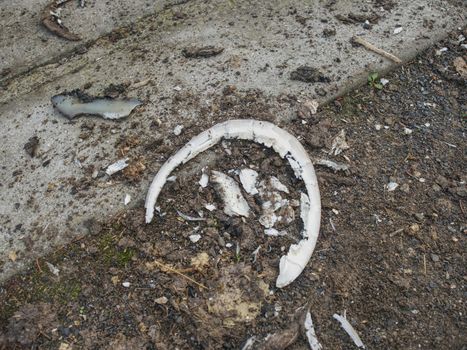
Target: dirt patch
[{"x": 394, "y": 260}]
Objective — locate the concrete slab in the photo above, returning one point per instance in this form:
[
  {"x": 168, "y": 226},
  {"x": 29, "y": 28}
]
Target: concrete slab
[
  {"x": 25, "y": 43},
  {"x": 52, "y": 198}
]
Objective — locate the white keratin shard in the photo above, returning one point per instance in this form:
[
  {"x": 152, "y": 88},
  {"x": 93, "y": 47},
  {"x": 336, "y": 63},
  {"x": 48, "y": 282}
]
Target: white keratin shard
[
  {"x": 117, "y": 166},
  {"x": 349, "y": 329},
  {"x": 276, "y": 184},
  {"x": 311, "y": 334},
  {"x": 127, "y": 199},
  {"x": 286, "y": 146},
  {"x": 234, "y": 202},
  {"x": 332, "y": 165},
  {"x": 72, "y": 106},
  {"x": 204, "y": 180},
  {"x": 248, "y": 178}
]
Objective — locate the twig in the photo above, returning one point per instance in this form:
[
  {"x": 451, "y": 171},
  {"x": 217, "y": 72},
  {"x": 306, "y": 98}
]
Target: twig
[
  {"x": 371, "y": 47},
  {"x": 462, "y": 207},
  {"x": 170, "y": 269},
  {"x": 38, "y": 265},
  {"x": 424, "y": 264},
  {"x": 392, "y": 234}
]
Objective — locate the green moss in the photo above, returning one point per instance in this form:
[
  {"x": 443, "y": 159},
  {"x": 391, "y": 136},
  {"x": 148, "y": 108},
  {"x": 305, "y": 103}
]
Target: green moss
[
  {"x": 64, "y": 291},
  {"x": 111, "y": 254}
]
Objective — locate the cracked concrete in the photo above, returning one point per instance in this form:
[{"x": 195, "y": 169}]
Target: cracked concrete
[{"x": 53, "y": 198}]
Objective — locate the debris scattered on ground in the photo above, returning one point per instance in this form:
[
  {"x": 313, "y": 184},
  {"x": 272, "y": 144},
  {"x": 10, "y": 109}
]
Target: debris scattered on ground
[
  {"x": 353, "y": 18},
  {"x": 440, "y": 51},
  {"x": 311, "y": 334},
  {"x": 178, "y": 130},
  {"x": 127, "y": 199},
  {"x": 204, "y": 180},
  {"x": 72, "y": 105},
  {"x": 161, "y": 300},
  {"x": 140, "y": 84},
  {"x": 292, "y": 264},
  {"x": 210, "y": 207},
  {"x": 126, "y": 284},
  {"x": 195, "y": 238},
  {"x": 339, "y": 143},
  {"x": 460, "y": 66},
  {"x": 200, "y": 261},
  {"x": 309, "y": 75},
  {"x": 188, "y": 217},
  {"x": 332, "y": 165},
  {"x": 274, "y": 232},
  {"x": 248, "y": 179},
  {"x": 307, "y": 109},
  {"x": 277, "y": 185},
  {"x": 167, "y": 268},
  {"x": 234, "y": 202},
  {"x": 268, "y": 218},
  {"x": 282, "y": 339},
  {"x": 255, "y": 254},
  {"x": 31, "y": 147},
  {"x": 384, "y": 81},
  {"x": 12, "y": 255},
  {"x": 202, "y": 52},
  {"x": 135, "y": 169},
  {"x": 392, "y": 186},
  {"x": 382, "y": 157},
  {"x": 53, "y": 269},
  {"x": 119, "y": 165},
  {"x": 249, "y": 343},
  {"x": 397, "y": 30},
  {"x": 371, "y": 47},
  {"x": 50, "y": 18},
  {"x": 349, "y": 329}
]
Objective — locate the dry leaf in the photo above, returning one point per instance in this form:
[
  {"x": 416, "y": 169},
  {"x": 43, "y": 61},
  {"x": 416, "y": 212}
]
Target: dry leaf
[
  {"x": 12, "y": 255},
  {"x": 199, "y": 261},
  {"x": 461, "y": 67}
]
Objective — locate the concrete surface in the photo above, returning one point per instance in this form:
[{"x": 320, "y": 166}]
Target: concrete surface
[
  {"x": 44, "y": 205},
  {"x": 25, "y": 43}
]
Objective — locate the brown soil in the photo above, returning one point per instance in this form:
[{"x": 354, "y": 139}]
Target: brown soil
[{"x": 393, "y": 261}]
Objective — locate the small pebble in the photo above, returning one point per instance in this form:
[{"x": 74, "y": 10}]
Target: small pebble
[
  {"x": 178, "y": 130},
  {"x": 221, "y": 241},
  {"x": 161, "y": 300},
  {"x": 420, "y": 216},
  {"x": 195, "y": 238},
  {"x": 405, "y": 188},
  {"x": 126, "y": 284},
  {"x": 392, "y": 186},
  {"x": 435, "y": 257}
]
